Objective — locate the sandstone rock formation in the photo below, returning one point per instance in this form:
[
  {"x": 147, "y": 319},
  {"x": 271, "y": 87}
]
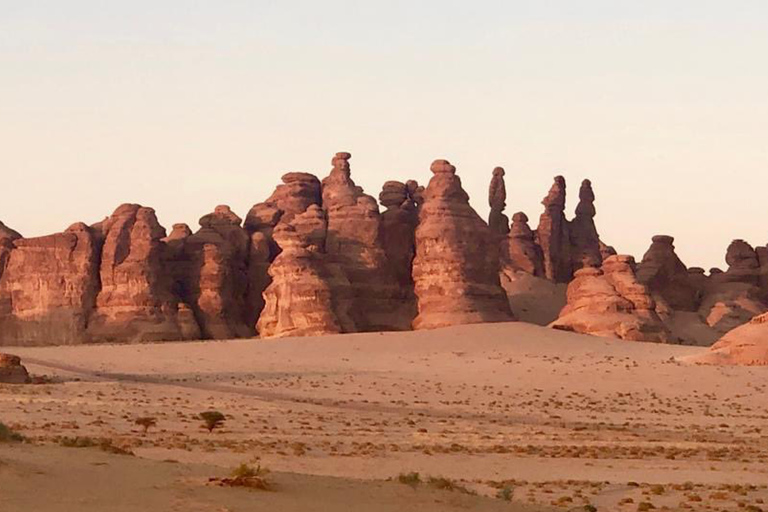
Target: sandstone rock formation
[
  {"x": 611, "y": 302},
  {"x": 456, "y": 268},
  {"x": 497, "y": 200},
  {"x": 364, "y": 287},
  {"x": 523, "y": 253},
  {"x": 553, "y": 235},
  {"x": 398, "y": 235},
  {"x": 12, "y": 371},
  {"x": 49, "y": 287},
  {"x": 586, "y": 249},
  {"x": 7, "y": 236},
  {"x": 666, "y": 276},
  {"x": 217, "y": 281},
  {"x": 299, "y": 300},
  {"x": 135, "y": 301},
  {"x": 746, "y": 345},
  {"x": 733, "y": 297}
]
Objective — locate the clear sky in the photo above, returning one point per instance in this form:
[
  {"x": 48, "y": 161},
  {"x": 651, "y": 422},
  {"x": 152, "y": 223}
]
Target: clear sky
[{"x": 182, "y": 105}]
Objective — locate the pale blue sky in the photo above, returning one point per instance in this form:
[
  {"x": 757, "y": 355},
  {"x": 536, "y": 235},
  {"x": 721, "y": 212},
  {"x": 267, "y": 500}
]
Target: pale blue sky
[{"x": 183, "y": 105}]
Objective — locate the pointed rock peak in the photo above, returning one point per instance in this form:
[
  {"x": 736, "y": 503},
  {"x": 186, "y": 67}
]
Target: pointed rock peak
[
  {"x": 555, "y": 199},
  {"x": 586, "y": 205},
  {"x": 520, "y": 217},
  {"x": 7, "y": 233},
  {"x": 393, "y": 194},
  {"x": 497, "y": 191},
  {"x": 520, "y": 227},
  {"x": 78, "y": 227},
  {"x": 442, "y": 167}
]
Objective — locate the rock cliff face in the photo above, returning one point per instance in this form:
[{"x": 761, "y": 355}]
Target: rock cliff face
[
  {"x": 611, "y": 302},
  {"x": 456, "y": 268},
  {"x": 12, "y": 371},
  {"x": 48, "y": 289},
  {"x": 299, "y": 299},
  {"x": 216, "y": 283},
  {"x": 135, "y": 302}
]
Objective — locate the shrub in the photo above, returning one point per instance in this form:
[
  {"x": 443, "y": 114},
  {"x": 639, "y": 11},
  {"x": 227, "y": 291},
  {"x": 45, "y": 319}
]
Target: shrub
[
  {"x": 9, "y": 436},
  {"x": 146, "y": 423},
  {"x": 505, "y": 494},
  {"x": 413, "y": 479},
  {"x": 212, "y": 419}
]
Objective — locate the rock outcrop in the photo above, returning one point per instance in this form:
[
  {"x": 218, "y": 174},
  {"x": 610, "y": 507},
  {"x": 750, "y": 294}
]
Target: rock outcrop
[
  {"x": 299, "y": 299},
  {"x": 398, "y": 235},
  {"x": 12, "y": 371},
  {"x": 497, "y": 200},
  {"x": 746, "y": 345},
  {"x": 666, "y": 276},
  {"x": 456, "y": 268},
  {"x": 586, "y": 248},
  {"x": 523, "y": 253},
  {"x": 364, "y": 286},
  {"x": 217, "y": 280},
  {"x": 48, "y": 289},
  {"x": 732, "y": 298},
  {"x": 135, "y": 301},
  {"x": 611, "y": 302},
  {"x": 553, "y": 235},
  {"x": 7, "y": 236}
]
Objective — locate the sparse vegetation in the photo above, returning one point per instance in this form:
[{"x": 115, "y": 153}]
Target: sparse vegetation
[
  {"x": 413, "y": 479},
  {"x": 505, "y": 494},
  {"x": 103, "y": 444},
  {"x": 212, "y": 419},
  {"x": 146, "y": 423},
  {"x": 246, "y": 476}
]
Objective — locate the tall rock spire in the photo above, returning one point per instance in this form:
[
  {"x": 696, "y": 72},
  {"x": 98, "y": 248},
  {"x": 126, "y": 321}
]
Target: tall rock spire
[
  {"x": 585, "y": 242},
  {"x": 497, "y": 200},
  {"x": 553, "y": 234}
]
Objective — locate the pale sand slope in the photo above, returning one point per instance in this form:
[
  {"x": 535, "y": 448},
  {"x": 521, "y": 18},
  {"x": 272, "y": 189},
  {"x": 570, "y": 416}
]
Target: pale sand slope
[
  {"x": 484, "y": 405},
  {"x": 51, "y": 479}
]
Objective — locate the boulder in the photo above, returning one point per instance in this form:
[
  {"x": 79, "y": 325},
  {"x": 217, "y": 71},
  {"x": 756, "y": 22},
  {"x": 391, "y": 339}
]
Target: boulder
[
  {"x": 48, "y": 289},
  {"x": 553, "y": 235},
  {"x": 12, "y": 371},
  {"x": 611, "y": 302},
  {"x": 456, "y": 268}
]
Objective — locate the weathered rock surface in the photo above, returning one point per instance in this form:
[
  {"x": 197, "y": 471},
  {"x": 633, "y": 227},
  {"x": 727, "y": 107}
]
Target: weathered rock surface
[
  {"x": 523, "y": 253},
  {"x": 216, "y": 283},
  {"x": 611, "y": 302},
  {"x": 49, "y": 287},
  {"x": 666, "y": 276},
  {"x": 7, "y": 236},
  {"x": 586, "y": 249},
  {"x": 363, "y": 283},
  {"x": 553, "y": 235},
  {"x": 456, "y": 268},
  {"x": 746, "y": 345},
  {"x": 136, "y": 302},
  {"x": 398, "y": 236},
  {"x": 12, "y": 371},
  {"x": 533, "y": 299},
  {"x": 497, "y": 200},
  {"x": 733, "y": 297},
  {"x": 299, "y": 299}
]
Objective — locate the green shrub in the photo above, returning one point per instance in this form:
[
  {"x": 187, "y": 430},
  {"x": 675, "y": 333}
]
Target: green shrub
[{"x": 212, "y": 419}]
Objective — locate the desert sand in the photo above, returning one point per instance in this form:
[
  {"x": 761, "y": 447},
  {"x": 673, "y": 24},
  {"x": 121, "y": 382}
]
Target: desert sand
[{"x": 561, "y": 420}]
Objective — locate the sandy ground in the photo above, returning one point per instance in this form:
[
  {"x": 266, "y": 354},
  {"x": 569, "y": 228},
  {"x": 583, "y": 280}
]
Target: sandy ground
[{"x": 560, "y": 419}]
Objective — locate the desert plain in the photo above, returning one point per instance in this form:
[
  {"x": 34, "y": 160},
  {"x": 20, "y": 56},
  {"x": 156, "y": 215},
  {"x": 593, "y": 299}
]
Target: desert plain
[{"x": 508, "y": 416}]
